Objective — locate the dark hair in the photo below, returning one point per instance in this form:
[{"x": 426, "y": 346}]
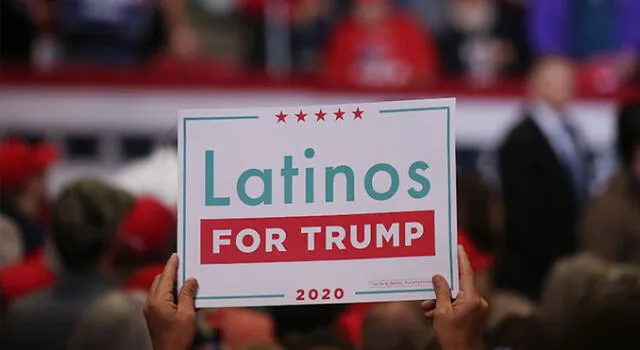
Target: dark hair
[
  {"x": 628, "y": 130},
  {"x": 611, "y": 321},
  {"x": 516, "y": 332},
  {"x": 304, "y": 318},
  {"x": 474, "y": 204},
  {"x": 396, "y": 326},
  {"x": 325, "y": 338},
  {"x": 85, "y": 219}
]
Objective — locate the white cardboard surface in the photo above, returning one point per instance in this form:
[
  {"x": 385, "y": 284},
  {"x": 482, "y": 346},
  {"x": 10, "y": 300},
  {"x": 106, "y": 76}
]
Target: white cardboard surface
[{"x": 295, "y": 266}]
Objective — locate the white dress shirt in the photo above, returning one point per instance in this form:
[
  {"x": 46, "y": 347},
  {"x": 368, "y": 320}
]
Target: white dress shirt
[{"x": 565, "y": 146}]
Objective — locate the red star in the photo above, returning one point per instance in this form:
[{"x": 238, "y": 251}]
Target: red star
[
  {"x": 339, "y": 114},
  {"x": 320, "y": 115},
  {"x": 301, "y": 116},
  {"x": 281, "y": 117},
  {"x": 357, "y": 114}
]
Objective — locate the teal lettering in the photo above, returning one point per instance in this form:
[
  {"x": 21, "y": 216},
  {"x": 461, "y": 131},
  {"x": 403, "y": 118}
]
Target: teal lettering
[
  {"x": 308, "y": 177},
  {"x": 425, "y": 184},
  {"x": 330, "y": 174},
  {"x": 266, "y": 196},
  {"x": 419, "y": 187},
  {"x": 210, "y": 198},
  {"x": 393, "y": 187},
  {"x": 288, "y": 172}
]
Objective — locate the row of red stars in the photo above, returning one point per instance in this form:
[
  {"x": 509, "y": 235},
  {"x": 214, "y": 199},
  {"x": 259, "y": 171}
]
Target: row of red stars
[{"x": 339, "y": 115}]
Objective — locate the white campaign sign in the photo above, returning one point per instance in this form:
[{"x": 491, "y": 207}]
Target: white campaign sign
[{"x": 317, "y": 204}]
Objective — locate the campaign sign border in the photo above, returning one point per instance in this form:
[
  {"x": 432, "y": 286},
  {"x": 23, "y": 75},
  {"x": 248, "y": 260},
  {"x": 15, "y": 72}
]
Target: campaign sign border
[{"x": 272, "y": 296}]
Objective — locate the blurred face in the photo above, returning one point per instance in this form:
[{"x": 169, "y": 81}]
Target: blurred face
[
  {"x": 30, "y": 199},
  {"x": 371, "y": 11},
  {"x": 306, "y": 11},
  {"x": 553, "y": 82},
  {"x": 472, "y": 15}
]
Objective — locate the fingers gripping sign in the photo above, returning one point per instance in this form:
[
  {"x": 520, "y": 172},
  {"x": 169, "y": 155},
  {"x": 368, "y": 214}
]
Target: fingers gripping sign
[
  {"x": 458, "y": 324},
  {"x": 171, "y": 325},
  {"x": 382, "y": 214}
]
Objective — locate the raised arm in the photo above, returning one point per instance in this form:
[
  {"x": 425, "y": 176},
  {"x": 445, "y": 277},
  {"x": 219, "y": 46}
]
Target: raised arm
[
  {"x": 458, "y": 324},
  {"x": 171, "y": 326}
]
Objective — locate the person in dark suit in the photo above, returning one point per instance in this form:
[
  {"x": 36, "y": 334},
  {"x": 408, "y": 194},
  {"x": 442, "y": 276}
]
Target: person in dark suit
[{"x": 543, "y": 168}]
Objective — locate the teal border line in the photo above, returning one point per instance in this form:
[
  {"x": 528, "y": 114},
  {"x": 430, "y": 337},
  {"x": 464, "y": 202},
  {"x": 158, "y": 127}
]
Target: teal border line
[
  {"x": 403, "y": 110},
  {"x": 223, "y": 118},
  {"x": 254, "y": 296},
  {"x": 183, "y": 259},
  {"x": 448, "y": 109},
  {"x": 393, "y": 291},
  {"x": 260, "y": 296}
]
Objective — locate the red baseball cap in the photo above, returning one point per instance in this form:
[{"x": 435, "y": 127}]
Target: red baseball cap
[
  {"x": 479, "y": 260},
  {"x": 147, "y": 226},
  {"x": 25, "y": 277},
  {"x": 142, "y": 278},
  {"x": 19, "y": 161}
]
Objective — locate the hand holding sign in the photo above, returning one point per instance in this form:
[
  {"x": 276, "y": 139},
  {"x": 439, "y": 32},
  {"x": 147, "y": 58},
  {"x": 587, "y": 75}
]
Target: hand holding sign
[
  {"x": 171, "y": 326},
  {"x": 292, "y": 209},
  {"x": 458, "y": 325}
]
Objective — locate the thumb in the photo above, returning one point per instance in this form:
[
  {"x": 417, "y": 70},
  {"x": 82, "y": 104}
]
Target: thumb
[
  {"x": 187, "y": 296},
  {"x": 443, "y": 292}
]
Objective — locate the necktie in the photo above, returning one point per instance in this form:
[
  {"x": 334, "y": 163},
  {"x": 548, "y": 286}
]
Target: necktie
[{"x": 574, "y": 162}]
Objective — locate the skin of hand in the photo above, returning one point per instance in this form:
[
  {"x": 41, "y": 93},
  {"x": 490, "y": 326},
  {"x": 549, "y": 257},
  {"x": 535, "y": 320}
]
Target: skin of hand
[
  {"x": 172, "y": 325},
  {"x": 458, "y": 324}
]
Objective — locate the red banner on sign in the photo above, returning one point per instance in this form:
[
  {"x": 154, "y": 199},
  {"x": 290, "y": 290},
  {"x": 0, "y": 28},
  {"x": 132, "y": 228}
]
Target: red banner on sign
[{"x": 316, "y": 238}]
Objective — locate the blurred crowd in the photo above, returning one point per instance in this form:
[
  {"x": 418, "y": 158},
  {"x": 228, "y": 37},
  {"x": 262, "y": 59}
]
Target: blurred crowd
[
  {"x": 371, "y": 43},
  {"x": 557, "y": 257}
]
